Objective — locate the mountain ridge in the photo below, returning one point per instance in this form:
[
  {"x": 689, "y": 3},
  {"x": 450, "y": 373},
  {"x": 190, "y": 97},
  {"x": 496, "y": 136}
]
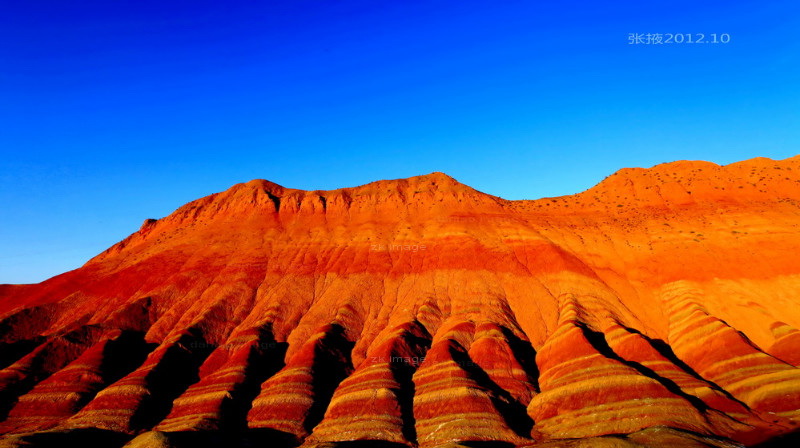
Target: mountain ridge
[{"x": 422, "y": 312}]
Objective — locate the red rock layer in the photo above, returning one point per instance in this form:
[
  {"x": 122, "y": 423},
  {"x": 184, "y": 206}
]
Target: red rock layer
[
  {"x": 52, "y": 356},
  {"x": 291, "y": 402},
  {"x": 587, "y": 393},
  {"x": 725, "y": 356},
  {"x": 65, "y": 392},
  {"x": 657, "y": 360},
  {"x": 787, "y": 343},
  {"x": 374, "y": 402},
  {"x": 507, "y": 361},
  {"x": 216, "y": 401},
  {"x": 451, "y": 403},
  {"x": 137, "y": 400}
]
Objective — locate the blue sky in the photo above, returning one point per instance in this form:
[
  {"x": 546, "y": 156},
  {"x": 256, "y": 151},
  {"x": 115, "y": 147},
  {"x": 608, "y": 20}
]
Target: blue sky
[{"x": 116, "y": 111}]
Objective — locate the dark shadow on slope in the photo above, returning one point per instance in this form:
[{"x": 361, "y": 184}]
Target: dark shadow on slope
[
  {"x": 125, "y": 353},
  {"x": 403, "y": 374},
  {"x": 120, "y": 357},
  {"x": 513, "y": 412},
  {"x": 665, "y": 350},
  {"x": 265, "y": 360},
  {"x": 366, "y": 444},
  {"x": 28, "y": 323},
  {"x": 417, "y": 346},
  {"x": 276, "y": 200},
  {"x": 487, "y": 444},
  {"x": 84, "y": 438},
  {"x": 746, "y": 339},
  {"x": 332, "y": 364},
  {"x": 51, "y": 356},
  {"x": 217, "y": 439},
  {"x": 174, "y": 373},
  {"x": 14, "y": 351},
  {"x": 598, "y": 341},
  {"x": 791, "y": 439},
  {"x": 525, "y": 354},
  {"x": 265, "y": 437},
  {"x": 138, "y": 315}
]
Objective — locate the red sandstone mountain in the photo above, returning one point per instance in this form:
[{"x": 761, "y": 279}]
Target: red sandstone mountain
[{"x": 659, "y": 308}]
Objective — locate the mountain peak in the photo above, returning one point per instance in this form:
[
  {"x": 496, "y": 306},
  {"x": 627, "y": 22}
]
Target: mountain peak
[
  {"x": 437, "y": 176},
  {"x": 435, "y": 180},
  {"x": 432, "y": 182}
]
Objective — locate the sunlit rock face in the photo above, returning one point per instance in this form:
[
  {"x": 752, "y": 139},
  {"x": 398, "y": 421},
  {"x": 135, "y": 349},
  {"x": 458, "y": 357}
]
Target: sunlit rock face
[{"x": 659, "y": 308}]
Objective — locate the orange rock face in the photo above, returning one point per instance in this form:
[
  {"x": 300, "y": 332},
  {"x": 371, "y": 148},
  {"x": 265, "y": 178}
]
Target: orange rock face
[{"x": 659, "y": 308}]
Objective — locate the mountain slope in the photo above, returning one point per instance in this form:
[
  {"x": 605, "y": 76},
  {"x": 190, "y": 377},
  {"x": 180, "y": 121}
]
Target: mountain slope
[{"x": 660, "y": 304}]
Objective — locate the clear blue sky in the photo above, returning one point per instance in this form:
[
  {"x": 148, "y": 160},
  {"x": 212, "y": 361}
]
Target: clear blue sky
[{"x": 116, "y": 111}]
